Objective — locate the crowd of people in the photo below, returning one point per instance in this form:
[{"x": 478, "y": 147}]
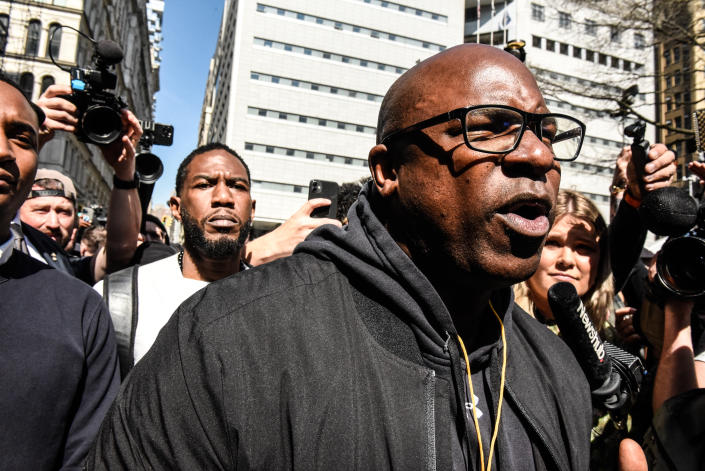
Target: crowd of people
[{"x": 415, "y": 331}]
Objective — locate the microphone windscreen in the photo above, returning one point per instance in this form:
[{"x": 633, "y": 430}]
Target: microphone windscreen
[
  {"x": 668, "y": 211},
  {"x": 109, "y": 51},
  {"x": 579, "y": 333}
]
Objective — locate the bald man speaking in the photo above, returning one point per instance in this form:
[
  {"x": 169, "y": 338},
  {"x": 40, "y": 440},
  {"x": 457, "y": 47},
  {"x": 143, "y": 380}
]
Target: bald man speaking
[{"x": 393, "y": 343}]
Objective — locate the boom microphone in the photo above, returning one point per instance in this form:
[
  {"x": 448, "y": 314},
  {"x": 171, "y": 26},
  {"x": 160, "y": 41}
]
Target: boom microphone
[{"x": 669, "y": 211}]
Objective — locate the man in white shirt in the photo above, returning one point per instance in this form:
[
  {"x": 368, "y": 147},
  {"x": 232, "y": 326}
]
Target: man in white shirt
[{"x": 214, "y": 205}]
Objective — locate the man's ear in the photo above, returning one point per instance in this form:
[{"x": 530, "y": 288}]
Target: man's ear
[
  {"x": 252, "y": 212},
  {"x": 175, "y": 205},
  {"x": 384, "y": 174}
]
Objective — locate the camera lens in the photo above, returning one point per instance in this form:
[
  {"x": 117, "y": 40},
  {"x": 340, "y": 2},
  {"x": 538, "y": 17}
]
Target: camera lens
[
  {"x": 681, "y": 265},
  {"x": 101, "y": 124}
]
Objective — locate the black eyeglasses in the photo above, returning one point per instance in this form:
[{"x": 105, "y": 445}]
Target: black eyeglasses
[{"x": 498, "y": 129}]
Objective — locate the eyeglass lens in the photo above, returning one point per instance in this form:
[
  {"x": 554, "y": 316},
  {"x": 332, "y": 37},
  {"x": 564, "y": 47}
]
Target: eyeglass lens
[{"x": 498, "y": 129}]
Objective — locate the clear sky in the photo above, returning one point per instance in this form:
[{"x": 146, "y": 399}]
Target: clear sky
[{"x": 190, "y": 32}]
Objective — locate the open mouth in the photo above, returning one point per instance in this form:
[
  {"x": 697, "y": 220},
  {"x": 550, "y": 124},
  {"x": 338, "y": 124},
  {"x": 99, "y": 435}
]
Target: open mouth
[{"x": 528, "y": 217}]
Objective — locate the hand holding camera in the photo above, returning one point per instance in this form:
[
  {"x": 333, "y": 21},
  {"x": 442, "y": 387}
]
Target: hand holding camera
[{"x": 62, "y": 115}]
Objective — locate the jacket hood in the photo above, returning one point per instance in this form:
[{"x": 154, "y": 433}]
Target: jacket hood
[{"x": 364, "y": 250}]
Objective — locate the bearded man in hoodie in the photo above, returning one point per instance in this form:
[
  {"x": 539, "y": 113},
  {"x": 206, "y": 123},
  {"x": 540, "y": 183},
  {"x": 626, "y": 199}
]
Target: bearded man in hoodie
[{"x": 352, "y": 352}]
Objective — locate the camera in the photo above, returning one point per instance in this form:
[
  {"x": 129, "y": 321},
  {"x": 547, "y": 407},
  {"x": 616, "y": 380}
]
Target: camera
[
  {"x": 672, "y": 212},
  {"x": 156, "y": 134},
  {"x": 99, "y": 120},
  {"x": 681, "y": 262}
]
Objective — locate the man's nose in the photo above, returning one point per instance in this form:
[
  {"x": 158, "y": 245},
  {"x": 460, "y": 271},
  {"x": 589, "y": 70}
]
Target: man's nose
[
  {"x": 531, "y": 157},
  {"x": 52, "y": 220},
  {"x": 222, "y": 195},
  {"x": 5, "y": 149}
]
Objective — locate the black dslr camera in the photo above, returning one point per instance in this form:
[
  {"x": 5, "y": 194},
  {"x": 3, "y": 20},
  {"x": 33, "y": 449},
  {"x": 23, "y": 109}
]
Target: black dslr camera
[{"x": 99, "y": 120}]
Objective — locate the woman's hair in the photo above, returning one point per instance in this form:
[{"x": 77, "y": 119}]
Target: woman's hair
[{"x": 599, "y": 297}]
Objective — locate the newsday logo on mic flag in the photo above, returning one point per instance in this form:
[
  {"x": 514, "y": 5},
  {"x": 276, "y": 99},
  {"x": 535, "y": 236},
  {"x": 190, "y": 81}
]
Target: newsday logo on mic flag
[{"x": 594, "y": 337}]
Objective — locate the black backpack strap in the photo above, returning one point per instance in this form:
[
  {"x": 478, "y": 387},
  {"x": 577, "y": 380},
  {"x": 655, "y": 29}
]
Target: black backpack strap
[{"x": 120, "y": 294}]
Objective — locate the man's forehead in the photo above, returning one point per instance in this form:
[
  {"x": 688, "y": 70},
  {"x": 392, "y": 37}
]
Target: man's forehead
[
  {"x": 15, "y": 106},
  {"x": 215, "y": 163},
  {"x": 463, "y": 76},
  {"x": 49, "y": 201}
]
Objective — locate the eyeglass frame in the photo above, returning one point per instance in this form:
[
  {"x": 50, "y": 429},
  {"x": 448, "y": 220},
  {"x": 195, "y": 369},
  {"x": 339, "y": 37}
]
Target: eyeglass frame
[{"x": 461, "y": 113}]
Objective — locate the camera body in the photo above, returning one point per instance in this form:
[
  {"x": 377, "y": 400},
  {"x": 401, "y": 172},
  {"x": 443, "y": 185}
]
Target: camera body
[{"x": 99, "y": 120}]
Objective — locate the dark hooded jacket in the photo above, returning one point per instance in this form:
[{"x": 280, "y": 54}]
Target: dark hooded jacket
[{"x": 342, "y": 356}]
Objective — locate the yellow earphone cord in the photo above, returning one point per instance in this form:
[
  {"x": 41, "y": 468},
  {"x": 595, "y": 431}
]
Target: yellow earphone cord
[{"x": 501, "y": 394}]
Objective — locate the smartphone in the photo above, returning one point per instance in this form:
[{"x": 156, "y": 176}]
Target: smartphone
[{"x": 324, "y": 189}]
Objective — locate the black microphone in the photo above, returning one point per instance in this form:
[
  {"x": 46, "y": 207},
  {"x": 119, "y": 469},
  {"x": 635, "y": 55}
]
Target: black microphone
[
  {"x": 110, "y": 52},
  {"x": 579, "y": 333},
  {"x": 614, "y": 375},
  {"x": 669, "y": 211}
]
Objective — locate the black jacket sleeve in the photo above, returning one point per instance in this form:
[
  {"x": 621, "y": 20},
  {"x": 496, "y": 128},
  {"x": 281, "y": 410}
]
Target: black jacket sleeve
[
  {"x": 99, "y": 387},
  {"x": 160, "y": 420},
  {"x": 626, "y": 239}
]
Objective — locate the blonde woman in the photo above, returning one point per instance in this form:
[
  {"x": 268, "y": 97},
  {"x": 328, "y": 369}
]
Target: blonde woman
[{"x": 576, "y": 251}]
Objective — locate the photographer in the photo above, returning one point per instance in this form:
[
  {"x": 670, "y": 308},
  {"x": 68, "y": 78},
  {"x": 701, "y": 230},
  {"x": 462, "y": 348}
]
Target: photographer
[{"x": 124, "y": 214}]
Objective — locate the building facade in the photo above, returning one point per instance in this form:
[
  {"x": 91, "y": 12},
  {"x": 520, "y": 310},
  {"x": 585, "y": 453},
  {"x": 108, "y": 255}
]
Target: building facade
[
  {"x": 583, "y": 64},
  {"x": 680, "y": 79},
  {"x": 296, "y": 86},
  {"x": 30, "y": 34}
]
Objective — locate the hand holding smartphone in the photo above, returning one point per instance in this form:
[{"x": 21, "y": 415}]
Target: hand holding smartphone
[{"x": 324, "y": 189}]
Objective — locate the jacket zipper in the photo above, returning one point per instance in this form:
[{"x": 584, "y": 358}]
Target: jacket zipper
[{"x": 535, "y": 428}]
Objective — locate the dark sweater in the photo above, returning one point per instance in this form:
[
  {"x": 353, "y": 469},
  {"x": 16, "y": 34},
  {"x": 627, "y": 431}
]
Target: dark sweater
[
  {"x": 336, "y": 358},
  {"x": 58, "y": 366}
]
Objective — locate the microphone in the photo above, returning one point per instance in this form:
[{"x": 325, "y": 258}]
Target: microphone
[
  {"x": 669, "y": 211},
  {"x": 579, "y": 333},
  {"x": 109, "y": 52},
  {"x": 614, "y": 375}
]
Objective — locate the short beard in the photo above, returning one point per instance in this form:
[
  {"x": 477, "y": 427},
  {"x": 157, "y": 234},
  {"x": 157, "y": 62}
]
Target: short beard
[{"x": 223, "y": 247}]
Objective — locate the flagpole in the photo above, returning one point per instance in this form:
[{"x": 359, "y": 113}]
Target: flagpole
[
  {"x": 492, "y": 15},
  {"x": 477, "y": 30}
]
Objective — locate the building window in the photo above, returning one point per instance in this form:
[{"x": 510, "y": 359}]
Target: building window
[
  {"x": 667, "y": 56},
  {"x": 536, "y": 41},
  {"x": 27, "y": 84},
  {"x": 4, "y": 32},
  {"x": 678, "y": 122},
  {"x": 639, "y": 41},
  {"x": 54, "y": 40},
  {"x": 577, "y": 52},
  {"x": 589, "y": 55},
  {"x": 564, "y": 49},
  {"x": 602, "y": 59},
  {"x": 626, "y": 65},
  {"x": 32, "y": 45},
  {"x": 676, "y": 54},
  {"x": 614, "y": 62},
  {"x": 551, "y": 45},
  {"x": 564, "y": 20},
  {"x": 537, "y": 12},
  {"x": 615, "y": 34},
  {"x": 47, "y": 81},
  {"x": 590, "y": 27}
]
